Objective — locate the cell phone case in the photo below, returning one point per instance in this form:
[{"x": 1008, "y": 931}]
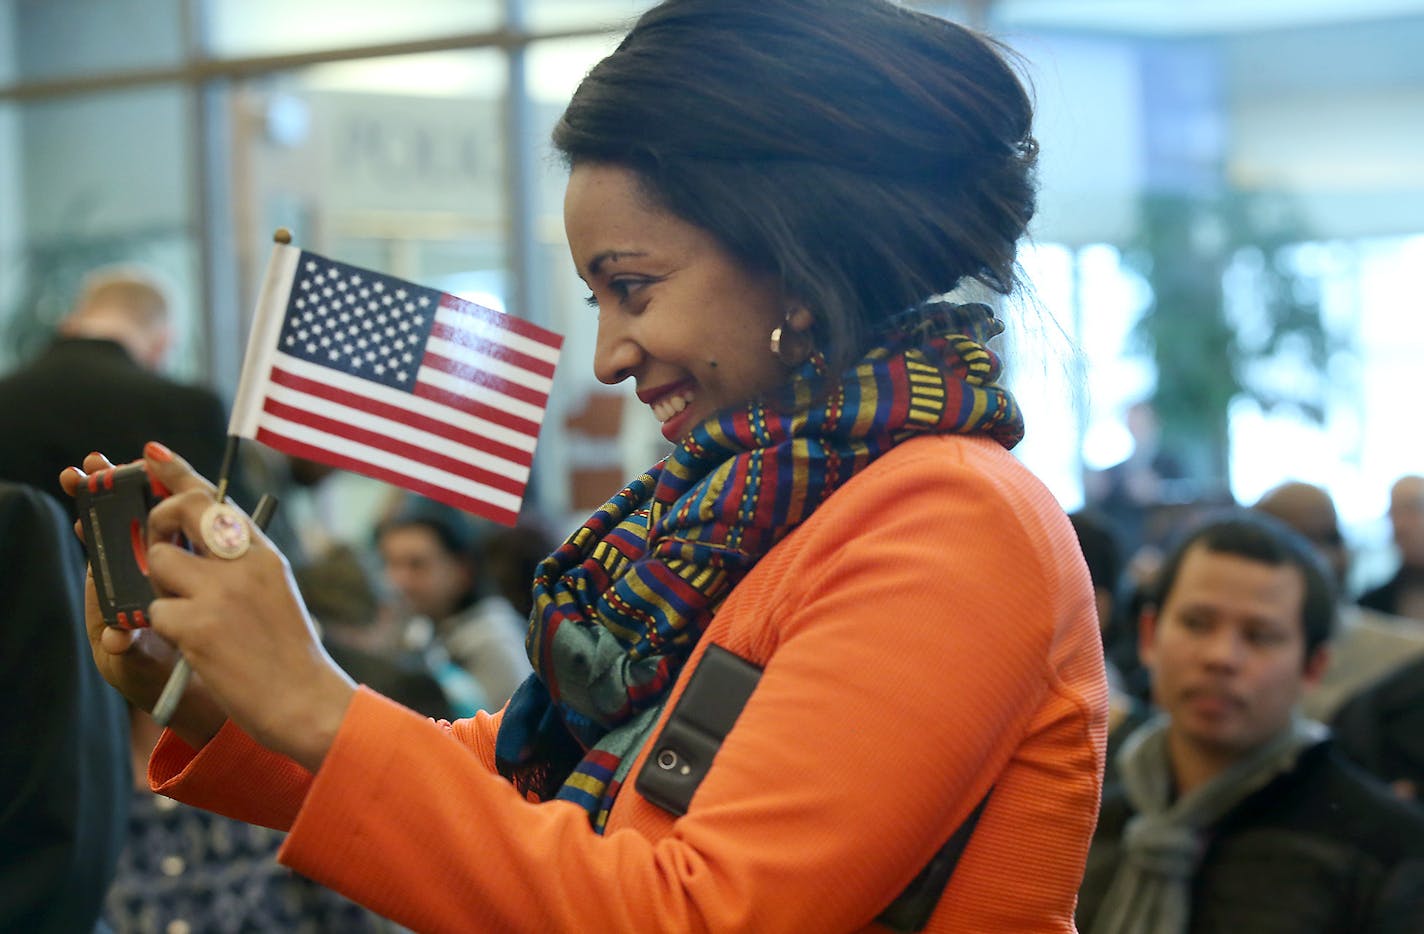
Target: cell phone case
[{"x": 113, "y": 508}]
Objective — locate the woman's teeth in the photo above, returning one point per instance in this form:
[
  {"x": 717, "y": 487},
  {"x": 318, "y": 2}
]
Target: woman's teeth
[{"x": 665, "y": 409}]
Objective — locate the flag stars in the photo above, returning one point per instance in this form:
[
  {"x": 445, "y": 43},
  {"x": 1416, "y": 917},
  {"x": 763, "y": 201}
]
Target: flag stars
[
  {"x": 405, "y": 325},
  {"x": 306, "y": 284},
  {"x": 386, "y": 299},
  {"x": 332, "y": 273},
  {"x": 342, "y": 286},
  {"x": 407, "y": 358},
  {"x": 353, "y": 330},
  {"x": 334, "y": 355},
  {"x": 371, "y": 356},
  {"x": 379, "y": 287},
  {"x": 320, "y": 279},
  {"x": 390, "y": 332},
  {"x": 307, "y": 316},
  {"x": 385, "y": 350},
  {"x": 311, "y": 348},
  {"x": 364, "y": 293},
  {"x": 423, "y": 301},
  {"x": 363, "y": 343},
  {"x": 356, "y": 280},
  {"x": 410, "y": 306},
  {"x": 402, "y": 376},
  {"x": 311, "y": 266},
  {"x": 328, "y": 291}
]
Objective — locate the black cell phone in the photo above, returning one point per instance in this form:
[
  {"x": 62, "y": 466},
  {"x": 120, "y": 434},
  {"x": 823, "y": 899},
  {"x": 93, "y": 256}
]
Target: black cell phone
[
  {"x": 113, "y": 506},
  {"x": 682, "y": 753}
]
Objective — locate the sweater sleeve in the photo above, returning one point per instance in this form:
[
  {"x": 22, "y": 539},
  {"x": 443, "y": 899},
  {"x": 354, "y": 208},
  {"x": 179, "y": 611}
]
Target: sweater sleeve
[
  {"x": 914, "y": 637},
  {"x": 235, "y": 776}
]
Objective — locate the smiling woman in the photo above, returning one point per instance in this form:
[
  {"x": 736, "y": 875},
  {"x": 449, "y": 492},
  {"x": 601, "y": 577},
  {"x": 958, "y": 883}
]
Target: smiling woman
[
  {"x": 671, "y": 300},
  {"x": 838, "y": 632}
]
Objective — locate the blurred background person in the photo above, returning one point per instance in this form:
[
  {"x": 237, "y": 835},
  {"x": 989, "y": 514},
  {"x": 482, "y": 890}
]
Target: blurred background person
[
  {"x": 1403, "y": 594},
  {"x": 1103, "y": 554},
  {"x": 1367, "y": 645},
  {"x": 100, "y": 383},
  {"x": 64, "y": 762},
  {"x": 431, "y": 555},
  {"x": 1230, "y": 812},
  {"x": 361, "y": 637}
]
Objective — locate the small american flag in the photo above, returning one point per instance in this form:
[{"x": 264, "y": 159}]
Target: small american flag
[{"x": 406, "y": 384}]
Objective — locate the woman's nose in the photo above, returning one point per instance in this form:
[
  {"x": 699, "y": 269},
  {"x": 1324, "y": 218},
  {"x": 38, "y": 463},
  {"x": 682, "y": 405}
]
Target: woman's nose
[{"x": 616, "y": 353}]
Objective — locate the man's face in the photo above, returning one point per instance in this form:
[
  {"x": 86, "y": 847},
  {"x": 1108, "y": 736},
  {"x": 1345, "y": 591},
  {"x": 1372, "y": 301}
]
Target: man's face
[
  {"x": 430, "y": 579},
  {"x": 1227, "y": 652},
  {"x": 1406, "y": 514}
]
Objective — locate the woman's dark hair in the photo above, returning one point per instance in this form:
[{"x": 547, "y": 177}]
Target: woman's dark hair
[
  {"x": 869, "y": 156},
  {"x": 1262, "y": 538}
]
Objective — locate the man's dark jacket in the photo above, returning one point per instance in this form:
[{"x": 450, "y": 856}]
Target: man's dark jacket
[
  {"x": 84, "y": 395},
  {"x": 65, "y": 783},
  {"x": 1323, "y": 849}
]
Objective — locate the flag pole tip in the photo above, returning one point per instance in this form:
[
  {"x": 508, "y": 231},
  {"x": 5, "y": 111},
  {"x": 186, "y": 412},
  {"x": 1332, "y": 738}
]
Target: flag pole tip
[{"x": 283, "y": 235}]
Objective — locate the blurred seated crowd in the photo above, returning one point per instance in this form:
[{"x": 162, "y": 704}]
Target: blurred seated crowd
[
  {"x": 1265, "y": 756},
  {"x": 1266, "y": 734}
]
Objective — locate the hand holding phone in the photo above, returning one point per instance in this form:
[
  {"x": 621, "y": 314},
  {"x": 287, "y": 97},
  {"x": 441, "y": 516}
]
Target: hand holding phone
[{"x": 113, "y": 508}]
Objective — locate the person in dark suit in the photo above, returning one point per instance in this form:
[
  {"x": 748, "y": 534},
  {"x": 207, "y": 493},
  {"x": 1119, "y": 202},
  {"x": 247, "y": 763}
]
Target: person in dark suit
[
  {"x": 99, "y": 386},
  {"x": 64, "y": 746}
]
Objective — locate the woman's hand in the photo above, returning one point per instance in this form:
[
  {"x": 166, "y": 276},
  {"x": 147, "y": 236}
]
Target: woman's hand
[
  {"x": 240, "y": 624},
  {"x": 138, "y": 662}
]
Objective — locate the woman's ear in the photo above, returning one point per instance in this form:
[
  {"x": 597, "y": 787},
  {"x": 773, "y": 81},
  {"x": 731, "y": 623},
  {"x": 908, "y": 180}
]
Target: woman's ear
[{"x": 799, "y": 318}]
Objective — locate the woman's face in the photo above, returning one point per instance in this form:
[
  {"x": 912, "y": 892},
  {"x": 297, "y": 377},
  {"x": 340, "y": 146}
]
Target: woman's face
[{"x": 676, "y": 312}]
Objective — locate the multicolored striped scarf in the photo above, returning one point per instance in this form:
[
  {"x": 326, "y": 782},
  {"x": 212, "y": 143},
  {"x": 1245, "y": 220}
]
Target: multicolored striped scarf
[{"x": 620, "y": 605}]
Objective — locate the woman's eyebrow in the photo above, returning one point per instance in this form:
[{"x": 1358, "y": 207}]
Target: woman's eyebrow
[{"x": 609, "y": 255}]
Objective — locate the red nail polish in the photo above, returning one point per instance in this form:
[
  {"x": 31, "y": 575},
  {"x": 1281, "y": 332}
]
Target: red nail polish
[{"x": 158, "y": 452}]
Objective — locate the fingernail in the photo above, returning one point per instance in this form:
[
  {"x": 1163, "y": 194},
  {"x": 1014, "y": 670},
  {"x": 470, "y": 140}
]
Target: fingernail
[{"x": 158, "y": 452}]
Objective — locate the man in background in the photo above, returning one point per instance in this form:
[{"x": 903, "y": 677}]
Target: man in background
[
  {"x": 1230, "y": 811},
  {"x": 1367, "y": 645},
  {"x": 98, "y": 387},
  {"x": 1403, "y": 594},
  {"x": 64, "y": 762}
]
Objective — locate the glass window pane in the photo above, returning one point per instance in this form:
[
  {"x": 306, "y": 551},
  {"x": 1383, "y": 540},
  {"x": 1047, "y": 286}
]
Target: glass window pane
[
  {"x": 237, "y": 28},
  {"x": 83, "y": 204},
  {"x": 50, "y": 42},
  {"x": 548, "y": 15}
]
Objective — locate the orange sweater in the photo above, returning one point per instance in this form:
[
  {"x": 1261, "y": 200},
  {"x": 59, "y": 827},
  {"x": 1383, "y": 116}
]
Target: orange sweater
[{"x": 927, "y": 633}]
